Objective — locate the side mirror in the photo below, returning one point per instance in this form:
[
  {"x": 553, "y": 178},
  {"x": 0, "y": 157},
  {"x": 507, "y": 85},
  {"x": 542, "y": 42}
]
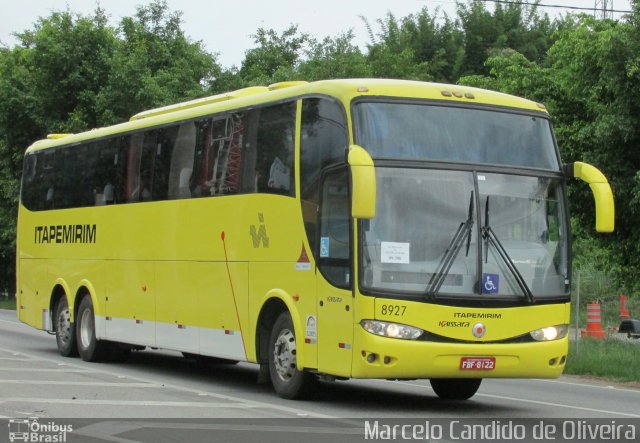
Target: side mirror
[
  {"x": 363, "y": 179},
  {"x": 605, "y": 208}
]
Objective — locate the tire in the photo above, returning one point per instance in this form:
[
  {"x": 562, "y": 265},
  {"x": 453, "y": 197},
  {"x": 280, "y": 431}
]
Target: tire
[
  {"x": 65, "y": 329},
  {"x": 89, "y": 347},
  {"x": 287, "y": 380},
  {"x": 455, "y": 388}
]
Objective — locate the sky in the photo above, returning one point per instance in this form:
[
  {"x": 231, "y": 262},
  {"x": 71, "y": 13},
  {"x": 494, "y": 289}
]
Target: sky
[{"x": 225, "y": 27}]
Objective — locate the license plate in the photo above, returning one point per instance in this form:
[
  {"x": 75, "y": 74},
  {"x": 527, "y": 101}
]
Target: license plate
[{"x": 477, "y": 363}]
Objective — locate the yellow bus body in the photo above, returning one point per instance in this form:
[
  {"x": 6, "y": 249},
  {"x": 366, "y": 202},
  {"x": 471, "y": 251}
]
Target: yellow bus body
[{"x": 195, "y": 275}]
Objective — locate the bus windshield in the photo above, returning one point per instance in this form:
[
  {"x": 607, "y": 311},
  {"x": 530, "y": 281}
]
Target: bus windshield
[
  {"x": 441, "y": 233},
  {"x": 462, "y": 233},
  {"x": 416, "y": 131}
]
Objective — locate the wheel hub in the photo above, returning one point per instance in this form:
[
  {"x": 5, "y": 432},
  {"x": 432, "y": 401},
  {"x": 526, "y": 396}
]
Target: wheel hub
[
  {"x": 86, "y": 328},
  {"x": 64, "y": 327},
  {"x": 284, "y": 355}
]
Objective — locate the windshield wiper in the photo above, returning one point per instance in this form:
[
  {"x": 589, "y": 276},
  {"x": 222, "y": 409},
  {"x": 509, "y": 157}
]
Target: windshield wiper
[
  {"x": 464, "y": 230},
  {"x": 490, "y": 237}
]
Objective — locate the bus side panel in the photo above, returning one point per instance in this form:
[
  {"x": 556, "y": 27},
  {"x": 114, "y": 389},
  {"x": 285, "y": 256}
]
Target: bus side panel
[
  {"x": 196, "y": 308},
  {"x": 223, "y": 316},
  {"x": 294, "y": 283},
  {"x": 34, "y": 292},
  {"x": 335, "y": 329},
  {"x": 130, "y": 312},
  {"x": 78, "y": 277}
]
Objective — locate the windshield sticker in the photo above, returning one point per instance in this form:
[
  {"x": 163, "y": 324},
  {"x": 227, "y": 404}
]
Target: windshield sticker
[
  {"x": 324, "y": 246},
  {"x": 490, "y": 283},
  {"x": 393, "y": 252}
]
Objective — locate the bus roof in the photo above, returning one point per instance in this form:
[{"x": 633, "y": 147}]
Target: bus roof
[{"x": 345, "y": 90}]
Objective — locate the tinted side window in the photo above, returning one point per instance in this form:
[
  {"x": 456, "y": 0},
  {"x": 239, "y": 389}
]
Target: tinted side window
[
  {"x": 132, "y": 156},
  {"x": 324, "y": 142},
  {"x": 274, "y": 149},
  {"x": 165, "y": 143},
  {"x": 73, "y": 184},
  {"x": 181, "y": 168},
  {"x": 106, "y": 173},
  {"x": 37, "y": 181},
  {"x": 249, "y": 151},
  {"x": 148, "y": 165},
  {"x": 218, "y": 155}
]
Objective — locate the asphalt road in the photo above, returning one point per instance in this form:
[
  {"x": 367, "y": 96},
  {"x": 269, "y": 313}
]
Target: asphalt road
[{"x": 159, "y": 396}]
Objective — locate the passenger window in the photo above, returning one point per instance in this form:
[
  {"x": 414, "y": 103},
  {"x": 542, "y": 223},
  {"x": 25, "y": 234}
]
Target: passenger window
[
  {"x": 181, "y": 169},
  {"x": 219, "y": 155},
  {"x": 133, "y": 152},
  {"x": 105, "y": 173},
  {"x": 274, "y": 150},
  {"x": 164, "y": 145},
  {"x": 147, "y": 165}
]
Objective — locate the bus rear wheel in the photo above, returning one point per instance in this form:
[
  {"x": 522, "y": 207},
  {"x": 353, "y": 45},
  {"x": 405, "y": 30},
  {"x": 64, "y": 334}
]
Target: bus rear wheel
[
  {"x": 65, "y": 329},
  {"x": 455, "y": 388},
  {"x": 89, "y": 347},
  {"x": 288, "y": 381}
]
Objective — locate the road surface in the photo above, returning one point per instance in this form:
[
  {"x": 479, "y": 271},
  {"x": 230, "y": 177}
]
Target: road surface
[{"x": 160, "y": 396}]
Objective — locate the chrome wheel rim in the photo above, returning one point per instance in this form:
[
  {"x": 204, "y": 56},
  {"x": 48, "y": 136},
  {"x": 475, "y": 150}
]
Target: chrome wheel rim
[
  {"x": 86, "y": 328},
  {"x": 284, "y": 355},
  {"x": 63, "y": 328}
]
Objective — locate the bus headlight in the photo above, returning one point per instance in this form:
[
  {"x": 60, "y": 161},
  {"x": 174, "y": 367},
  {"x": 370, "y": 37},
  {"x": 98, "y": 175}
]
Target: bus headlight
[
  {"x": 551, "y": 333},
  {"x": 391, "y": 330}
]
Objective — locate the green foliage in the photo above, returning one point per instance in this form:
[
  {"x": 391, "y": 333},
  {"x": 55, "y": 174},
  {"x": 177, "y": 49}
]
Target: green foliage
[
  {"x": 71, "y": 73},
  {"x": 334, "y": 58},
  {"x": 611, "y": 358},
  {"x": 7, "y": 303},
  {"x": 275, "y": 58},
  {"x": 590, "y": 82},
  {"x": 153, "y": 64}
]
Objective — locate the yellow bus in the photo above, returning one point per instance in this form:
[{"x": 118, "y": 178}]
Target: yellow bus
[{"x": 327, "y": 230}]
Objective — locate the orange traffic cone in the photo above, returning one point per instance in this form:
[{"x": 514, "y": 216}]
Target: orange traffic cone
[
  {"x": 624, "y": 312},
  {"x": 594, "y": 323}
]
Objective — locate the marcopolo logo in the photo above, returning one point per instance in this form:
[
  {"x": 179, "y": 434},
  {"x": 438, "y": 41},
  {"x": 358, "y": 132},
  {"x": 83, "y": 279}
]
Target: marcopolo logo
[{"x": 31, "y": 430}]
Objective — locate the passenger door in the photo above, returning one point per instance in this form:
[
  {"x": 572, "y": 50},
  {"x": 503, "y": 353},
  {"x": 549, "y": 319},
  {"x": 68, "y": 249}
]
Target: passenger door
[{"x": 335, "y": 295}]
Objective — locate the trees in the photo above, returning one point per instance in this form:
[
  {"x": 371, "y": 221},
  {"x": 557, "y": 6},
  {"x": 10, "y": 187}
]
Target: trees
[
  {"x": 72, "y": 73},
  {"x": 590, "y": 81},
  {"x": 153, "y": 64}
]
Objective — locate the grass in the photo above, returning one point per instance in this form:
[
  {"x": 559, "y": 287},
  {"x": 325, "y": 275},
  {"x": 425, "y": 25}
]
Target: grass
[
  {"x": 7, "y": 303},
  {"x": 611, "y": 359}
]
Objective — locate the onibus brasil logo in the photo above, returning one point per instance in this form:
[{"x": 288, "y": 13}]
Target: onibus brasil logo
[{"x": 30, "y": 430}]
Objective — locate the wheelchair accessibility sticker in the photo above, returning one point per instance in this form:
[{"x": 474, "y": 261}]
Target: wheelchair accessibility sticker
[{"x": 490, "y": 283}]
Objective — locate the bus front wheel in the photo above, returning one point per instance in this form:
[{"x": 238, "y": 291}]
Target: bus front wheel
[
  {"x": 65, "y": 330},
  {"x": 288, "y": 381},
  {"x": 455, "y": 388},
  {"x": 89, "y": 347}
]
